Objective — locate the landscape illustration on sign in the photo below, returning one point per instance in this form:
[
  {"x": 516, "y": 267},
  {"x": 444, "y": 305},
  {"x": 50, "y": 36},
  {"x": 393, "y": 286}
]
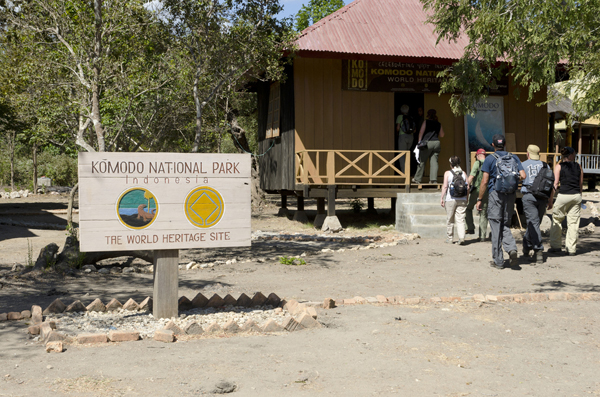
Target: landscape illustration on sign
[
  {"x": 204, "y": 207},
  {"x": 137, "y": 208}
]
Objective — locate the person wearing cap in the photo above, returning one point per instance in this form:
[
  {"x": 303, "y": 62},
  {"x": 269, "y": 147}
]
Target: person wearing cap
[
  {"x": 431, "y": 131},
  {"x": 533, "y": 207},
  {"x": 569, "y": 175},
  {"x": 475, "y": 181},
  {"x": 500, "y": 206}
]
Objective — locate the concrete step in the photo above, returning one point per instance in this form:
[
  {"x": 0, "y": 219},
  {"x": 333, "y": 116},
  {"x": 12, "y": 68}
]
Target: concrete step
[
  {"x": 429, "y": 231},
  {"x": 424, "y": 209},
  {"x": 428, "y": 220},
  {"x": 431, "y": 198}
]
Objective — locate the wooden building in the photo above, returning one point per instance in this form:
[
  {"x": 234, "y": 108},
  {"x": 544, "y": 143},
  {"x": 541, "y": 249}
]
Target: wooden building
[{"x": 328, "y": 130}]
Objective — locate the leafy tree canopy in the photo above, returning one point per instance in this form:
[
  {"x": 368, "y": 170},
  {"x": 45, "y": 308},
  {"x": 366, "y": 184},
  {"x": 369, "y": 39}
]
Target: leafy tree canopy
[
  {"x": 539, "y": 40},
  {"x": 314, "y": 11}
]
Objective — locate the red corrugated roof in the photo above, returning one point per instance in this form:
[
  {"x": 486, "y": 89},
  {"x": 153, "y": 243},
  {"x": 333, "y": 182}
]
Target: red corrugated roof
[{"x": 381, "y": 28}]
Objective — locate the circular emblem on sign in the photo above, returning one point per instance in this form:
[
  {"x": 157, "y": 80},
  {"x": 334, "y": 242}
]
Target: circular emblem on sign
[
  {"x": 204, "y": 207},
  {"x": 137, "y": 208}
]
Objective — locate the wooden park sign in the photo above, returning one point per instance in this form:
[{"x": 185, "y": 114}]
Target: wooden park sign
[{"x": 163, "y": 202}]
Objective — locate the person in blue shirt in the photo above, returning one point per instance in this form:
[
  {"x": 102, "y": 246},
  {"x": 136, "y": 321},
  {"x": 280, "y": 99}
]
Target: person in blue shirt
[
  {"x": 533, "y": 207},
  {"x": 500, "y": 206}
]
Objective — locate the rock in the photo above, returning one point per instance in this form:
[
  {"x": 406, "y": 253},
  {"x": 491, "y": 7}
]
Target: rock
[
  {"x": 26, "y": 314},
  {"x": 15, "y": 316},
  {"x": 250, "y": 326},
  {"x": 171, "y": 326},
  {"x": 128, "y": 270},
  {"x": 307, "y": 321},
  {"x": 76, "y": 306},
  {"x": 244, "y": 300},
  {"x": 164, "y": 335},
  {"x": 146, "y": 305},
  {"x": 17, "y": 267},
  {"x": 36, "y": 314},
  {"x": 215, "y": 301},
  {"x": 199, "y": 300},
  {"x": 190, "y": 265},
  {"x": 47, "y": 257},
  {"x": 33, "y": 329},
  {"x": 193, "y": 329},
  {"x": 123, "y": 336},
  {"x": 55, "y": 307},
  {"x": 224, "y": 387},
  {"x": 14, "y": 195},
  {"x": 272, "y": 326},
  {"x": 91, "y": 338},
  {"x": 116, "y": 270},
  {"x": 290, "y": 324},
  {"x": 213, "y": 328},
  {"x": 54, "y": 347},
  {"x": 231, "y": 327},
  {"x": 96, "y": 306},
  {"x": 184, "y": 303},
  {"x": 328, "y": 303},
  {"x": 229, "y": 300},
  {"x": 259, "y": 299},
  {"x": 131, "y": 305},
  {"x": 104, "y": 271},
  {"x": 91, "y": 268},
  {"x": 113, "y": 305},
  {"x": 273, "y": 300}
]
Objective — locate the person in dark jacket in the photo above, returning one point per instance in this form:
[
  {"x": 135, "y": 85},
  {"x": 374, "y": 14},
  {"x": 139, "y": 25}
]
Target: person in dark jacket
[
  {"x": 569, "y": 175},
  {"x": 431, "y": 131}
]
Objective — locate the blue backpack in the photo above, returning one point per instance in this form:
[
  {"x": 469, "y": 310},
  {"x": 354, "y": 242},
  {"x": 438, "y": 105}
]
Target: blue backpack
[{"x": 507, "y": 174}]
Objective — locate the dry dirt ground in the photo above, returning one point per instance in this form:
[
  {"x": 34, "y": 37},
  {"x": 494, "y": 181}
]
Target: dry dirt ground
[{"x": 447, "y": 349}]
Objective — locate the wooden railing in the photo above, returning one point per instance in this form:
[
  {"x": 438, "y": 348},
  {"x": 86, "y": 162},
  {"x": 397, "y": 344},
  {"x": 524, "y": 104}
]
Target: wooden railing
[
  {"x": 352, "y": 167},
  {"x": 590, "y": 163}
]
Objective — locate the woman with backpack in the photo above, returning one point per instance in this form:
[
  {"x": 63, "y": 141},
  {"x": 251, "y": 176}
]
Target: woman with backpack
[
  {"x": 454, "y": 199},
  {"x": 569, "y": 175},
  {"x": 429, "y": 147}
]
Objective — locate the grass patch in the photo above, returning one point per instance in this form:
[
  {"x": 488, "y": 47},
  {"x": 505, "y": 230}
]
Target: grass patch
[{"x": 291, "y": 260}]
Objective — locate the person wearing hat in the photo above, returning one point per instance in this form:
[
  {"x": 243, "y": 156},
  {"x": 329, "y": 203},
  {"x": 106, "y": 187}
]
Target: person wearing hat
[
  {"x": 500, "y": 205},
  {"x": 533, "y": 207},
  {"x": 568, "y": 201},
  {"x": 475, "y": 181}
]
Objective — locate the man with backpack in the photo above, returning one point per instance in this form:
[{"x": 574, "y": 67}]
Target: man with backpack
[
  {"x": 538, "y": 191},
  {"x": 475, "y": 178},
  {"x": 501, "y": 174},
  {"x": 405, "y": 128}
]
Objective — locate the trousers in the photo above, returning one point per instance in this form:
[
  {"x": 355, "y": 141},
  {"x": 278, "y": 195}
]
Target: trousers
[
  {"x": 500, "y": 211},
  {"x": 566, "y": 206}
]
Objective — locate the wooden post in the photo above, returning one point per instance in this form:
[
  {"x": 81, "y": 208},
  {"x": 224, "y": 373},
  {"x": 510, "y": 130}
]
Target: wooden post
[
  {"x": 331, "y": 200},
  {"x": 596, "y": 141},
  {"x": 166, "y": 284},
  {"x": 551, "y": 125},
  {"x": 300, "y": 203},
  {"x": 284, "y": 201},
  {"x": 321, "y": 205},
  {"x": 330, "y": 168},
  {"x": 580, "y": 140}
]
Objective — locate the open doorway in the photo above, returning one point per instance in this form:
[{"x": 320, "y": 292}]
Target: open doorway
[{"x": 414, "y": 101}]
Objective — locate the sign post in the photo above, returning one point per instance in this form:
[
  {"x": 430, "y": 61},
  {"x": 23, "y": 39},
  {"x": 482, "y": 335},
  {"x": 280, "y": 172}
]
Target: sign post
[{"x": 163, "y": 202}]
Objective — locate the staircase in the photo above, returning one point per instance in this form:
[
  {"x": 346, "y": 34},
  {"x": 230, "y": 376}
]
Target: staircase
[{"x": 421, "y": 213}]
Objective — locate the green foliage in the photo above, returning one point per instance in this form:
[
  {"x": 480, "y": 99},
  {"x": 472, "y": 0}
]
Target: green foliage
[
  {"x": 291, "y": 260},
  {"x": 357, "y": 204},
  {"x": 314, "y": 11},
  {"x": 533, "y": 36},
  {"x": 61, "y": 168}
]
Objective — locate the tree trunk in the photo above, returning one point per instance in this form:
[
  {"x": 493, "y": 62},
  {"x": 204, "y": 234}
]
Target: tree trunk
[
  {"x": 35, "y": 174},
  {"x": 96, "y": 118},
  {"x": 238, "y": 133},
  {"x": 12, "y": 160},
  {"x": 70, "y": 207},
  {"x": 199, "y": 107}
]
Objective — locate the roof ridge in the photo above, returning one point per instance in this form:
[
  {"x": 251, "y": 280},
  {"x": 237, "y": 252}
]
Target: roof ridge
[{"x": 328, "y": 18}]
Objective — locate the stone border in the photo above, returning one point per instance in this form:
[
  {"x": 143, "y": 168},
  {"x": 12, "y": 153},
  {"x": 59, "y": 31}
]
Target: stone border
[{"x": 301, "y": 317}]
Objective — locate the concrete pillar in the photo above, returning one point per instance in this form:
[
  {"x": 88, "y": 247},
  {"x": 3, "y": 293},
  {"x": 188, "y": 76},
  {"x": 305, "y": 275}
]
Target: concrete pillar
[
  {"x": 321, "y": 214},
  {"x": 283, "y": 211},
  {"x": 331, "y": 223},
  {"x": 300, "y": 214}
]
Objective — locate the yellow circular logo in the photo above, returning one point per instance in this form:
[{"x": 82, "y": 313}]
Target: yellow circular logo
[
  {"x": 137, "y": 208},
  {"x": 204, "y": 207}
]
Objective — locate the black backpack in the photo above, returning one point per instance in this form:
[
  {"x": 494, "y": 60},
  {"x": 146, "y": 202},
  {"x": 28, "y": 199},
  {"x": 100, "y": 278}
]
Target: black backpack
[
  {"x": 458, "y": 187},
  {"x": 543, "y": 183},
  {"x": 507, "y": 178},
  {"x": 407, "y": 125}
]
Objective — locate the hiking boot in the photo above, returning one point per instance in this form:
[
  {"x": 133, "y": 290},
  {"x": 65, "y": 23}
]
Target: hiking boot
[
  {"x": 493, "y": 264},
  {"x": 527, "y": 252},
  {"x": 415, "y": 181},
  {"x": 537, "y": 258},
  {"x": 470, "y": 232},
  {"x": 460, "y": 242},
  {"x": 514, "y": 258},
  {"x": 483, "y": 239},
  {"x": 572, "y": 254},
  {"x": 555, "y": 251}
]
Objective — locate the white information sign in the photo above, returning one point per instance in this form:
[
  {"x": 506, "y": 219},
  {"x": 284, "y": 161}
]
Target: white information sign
[{"x": 163, "y": 201}]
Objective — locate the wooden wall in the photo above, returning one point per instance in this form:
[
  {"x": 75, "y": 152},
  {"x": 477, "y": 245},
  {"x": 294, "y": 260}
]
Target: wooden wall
[
  {"x": 327, "y": 117},
  {"x": 276, "y": 162}
]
